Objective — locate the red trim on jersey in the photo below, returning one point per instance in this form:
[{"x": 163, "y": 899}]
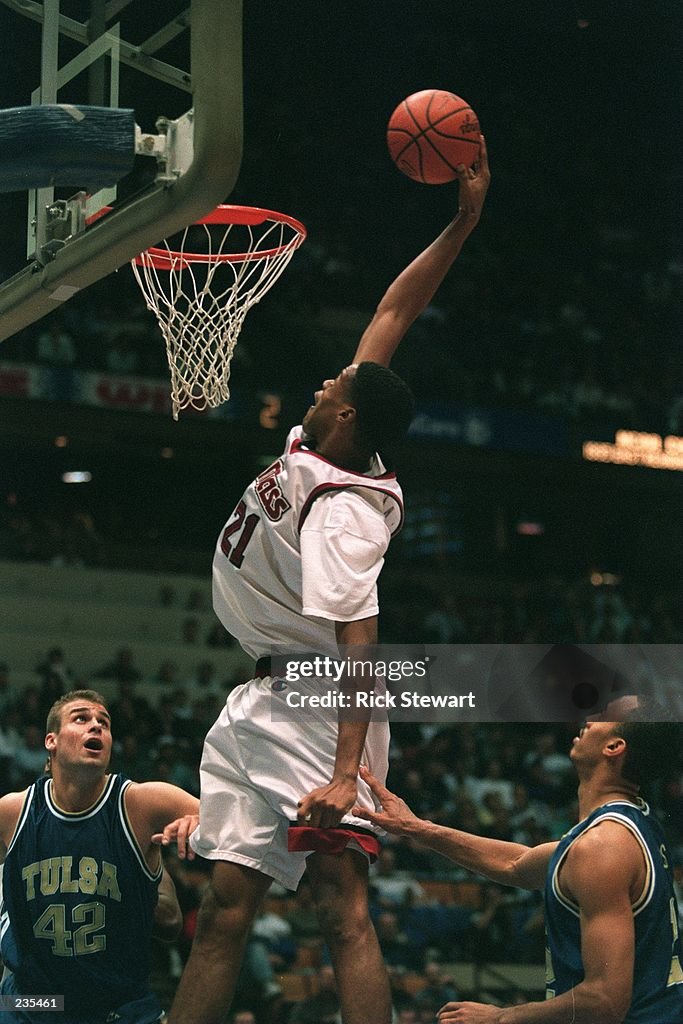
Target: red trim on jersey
[
  {"x": 297, "y": 448},
  {"x": 302, "y": 838},
  {"x": 324, "y": 488}
]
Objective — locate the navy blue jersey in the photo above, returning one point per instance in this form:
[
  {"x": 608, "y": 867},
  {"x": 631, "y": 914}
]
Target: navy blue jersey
[
  {"x": 658, "y": 977},
  {"x": 78, "y": 904}
]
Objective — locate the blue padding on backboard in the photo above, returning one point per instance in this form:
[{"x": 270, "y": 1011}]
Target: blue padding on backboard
[{"x": 60, "y": 144}]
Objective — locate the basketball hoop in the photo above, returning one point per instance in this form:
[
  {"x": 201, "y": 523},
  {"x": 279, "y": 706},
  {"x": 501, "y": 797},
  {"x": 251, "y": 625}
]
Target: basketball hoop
[{"x": 202, "y": 288}]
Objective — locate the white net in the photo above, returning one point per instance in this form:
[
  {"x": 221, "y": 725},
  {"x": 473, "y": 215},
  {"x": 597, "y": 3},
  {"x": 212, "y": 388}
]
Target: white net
[{"x": 201, "y": 288}]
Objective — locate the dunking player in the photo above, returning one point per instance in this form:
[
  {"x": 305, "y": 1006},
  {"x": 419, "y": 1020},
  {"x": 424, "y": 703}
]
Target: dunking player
[
  {"x": 614, "y": 952},
  {"x": 81, "y": 877},
  {"x": 296, "y": 568}
]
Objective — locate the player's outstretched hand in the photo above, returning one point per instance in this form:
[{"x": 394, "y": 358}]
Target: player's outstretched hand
[
  {"x": 326, "y": 806},
  {"x": 395, "y": 816},
  {"x": 179, "y": 831},
  {"x": 468, "y": 1013},
  {"x": 473, "y": 185}
]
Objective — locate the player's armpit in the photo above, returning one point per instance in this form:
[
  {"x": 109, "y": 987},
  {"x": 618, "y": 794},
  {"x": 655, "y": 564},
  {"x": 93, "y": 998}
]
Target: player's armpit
[{"x": 531, "y": 868}]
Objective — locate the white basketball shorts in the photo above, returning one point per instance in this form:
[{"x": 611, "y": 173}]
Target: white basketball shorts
[{"x": 254, "y": 771}]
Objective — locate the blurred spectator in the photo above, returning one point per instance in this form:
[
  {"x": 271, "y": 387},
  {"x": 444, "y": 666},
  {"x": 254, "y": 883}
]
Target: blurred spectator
[
  {"x": 133, "y": 762},
  {"x": 6, "y": 696},
  {"x": 218, "y": 636},
  {"x": 243, "y": 1017},
  {"x": 29, "y": 756},
  {"x": 196, "y": 601},
  {"x": 323, "y": 1007},
  {"x": 269, "y": 951},
  {"x": 167, "y": 673},
  {"x": 550, "y": 771},
  {"x": 203, "y": 680},
  {"x": 491, "y": 782},
  {"x": 31, "y": 707},
  {"x": 183, "y": 724},
  {"x": 526, "y": 813},
  {"x": 303, "y": 918},
  {"x": 55, "y": 345},
  {"x": 438, "y": 784},
  {"x": 397, "y": 949},
  {"x": 401, "y": 996},
  {"x": 122, "y": 668},
  {"x": 167, "y": 595},
  {"x": 495, "y": 818},
  {"x": 10, "y": 738},
  {"x": 408, "y": 1015},
  {"x": 54, "y": 664},
  {"x": 205, "y": 710},
  {"x": 444, "y": 624},
  {"x": 51, "y": 689},
  {"x": 490, "y": 937},
  {"x": 392, "y": 888},
  {"x": 190, "y": 630},
  {"x": 438, "y": 990},
  {"x": 132, "y": 714},
  {"x": 122, "y": 356},
  {"x": 411, "y": 787},
  {"x": 171, "y": 766}
]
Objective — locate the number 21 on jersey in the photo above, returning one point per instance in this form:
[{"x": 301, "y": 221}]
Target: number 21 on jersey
[{"x": 237, "y": 534}]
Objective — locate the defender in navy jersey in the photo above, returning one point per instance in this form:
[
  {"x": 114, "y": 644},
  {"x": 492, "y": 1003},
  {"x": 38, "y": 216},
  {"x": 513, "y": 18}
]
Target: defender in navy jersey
[
  {"x": 614, "y": 950},
  {"x": 657, "y": 990},
  {"x": 81, "y": 876}
]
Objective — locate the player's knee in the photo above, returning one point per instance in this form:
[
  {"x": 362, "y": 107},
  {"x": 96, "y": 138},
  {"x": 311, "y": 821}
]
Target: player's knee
[
  {"x": 229, "y": 903},
  {"x": 221, "y": 915},
  {"x": 341, "y": 920}
]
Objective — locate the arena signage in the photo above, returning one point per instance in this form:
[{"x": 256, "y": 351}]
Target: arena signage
[{"x": 634, "y": 448}]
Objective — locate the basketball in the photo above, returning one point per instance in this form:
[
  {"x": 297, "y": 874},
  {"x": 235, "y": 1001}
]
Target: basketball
[{"x": 431, "y": 133}]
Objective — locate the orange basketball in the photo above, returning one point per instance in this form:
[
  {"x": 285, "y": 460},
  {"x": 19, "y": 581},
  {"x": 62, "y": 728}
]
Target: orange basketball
[{"x": 431, "y": 133}]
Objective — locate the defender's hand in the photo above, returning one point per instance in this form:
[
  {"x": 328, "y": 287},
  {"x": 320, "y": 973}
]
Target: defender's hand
[
  {"x": 179, "y": 831},
  {"x": 468, "y": 1013},
  {"x": 395, "y": 813}
]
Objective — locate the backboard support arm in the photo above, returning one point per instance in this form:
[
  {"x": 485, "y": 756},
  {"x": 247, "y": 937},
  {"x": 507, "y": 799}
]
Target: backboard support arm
[{"x": 216, "y": 72}]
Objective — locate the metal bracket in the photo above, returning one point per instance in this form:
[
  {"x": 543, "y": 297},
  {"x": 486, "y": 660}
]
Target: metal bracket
[
  {"x": 173, "y": 148},
  {"x": 64, "y": 218}
]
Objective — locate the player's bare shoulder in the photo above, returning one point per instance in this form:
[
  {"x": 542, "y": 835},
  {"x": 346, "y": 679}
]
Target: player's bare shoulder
[
  {"x": 604, "y": 853},
  {"x": 151, "y": 805},
  {"x": 11, "y": 806}
]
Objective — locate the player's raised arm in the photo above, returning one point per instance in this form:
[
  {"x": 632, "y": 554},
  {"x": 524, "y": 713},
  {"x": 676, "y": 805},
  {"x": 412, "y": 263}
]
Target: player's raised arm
[
  {"x": 414, "y": 288},
  {"x": 506, "y": 863}
]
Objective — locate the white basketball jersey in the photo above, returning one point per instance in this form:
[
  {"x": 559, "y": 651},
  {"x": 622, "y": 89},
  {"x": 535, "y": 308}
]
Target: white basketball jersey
[{"x": 257, "y": 566}]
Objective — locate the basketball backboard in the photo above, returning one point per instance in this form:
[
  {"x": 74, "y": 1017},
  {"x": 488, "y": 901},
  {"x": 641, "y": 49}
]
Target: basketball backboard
[{"x": 195, "y": 157}]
